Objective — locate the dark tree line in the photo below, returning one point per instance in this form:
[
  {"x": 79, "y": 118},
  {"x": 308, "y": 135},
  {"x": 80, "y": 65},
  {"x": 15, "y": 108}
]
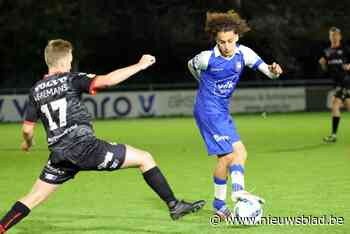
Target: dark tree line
[{"x": 110, "y": 34}]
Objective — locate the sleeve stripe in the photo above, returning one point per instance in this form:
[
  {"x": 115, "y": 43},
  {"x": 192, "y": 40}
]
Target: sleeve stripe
[
  {"x": 92, "y": 89},
  {"x": 193, "y": 65},
  {"x": 28, "y": 122},
  {"x": 256, "y": 65}
]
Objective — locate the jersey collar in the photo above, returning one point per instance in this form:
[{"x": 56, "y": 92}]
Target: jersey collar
[
  {"x": 217, "y": 52},
  {"x": 53, "y": 74}
]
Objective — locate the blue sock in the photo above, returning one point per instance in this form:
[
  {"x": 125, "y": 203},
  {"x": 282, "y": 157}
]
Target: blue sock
[
  {"x": 218, "y": 204},
  {"x": 237, "y": 176}
]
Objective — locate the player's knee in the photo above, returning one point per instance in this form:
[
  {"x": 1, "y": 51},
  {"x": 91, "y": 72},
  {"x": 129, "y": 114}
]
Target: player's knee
[
  {"x": 244, "y": 154},
  {"x": 335, "y": 107},
  {"x": 240, "y": 156},
  {"x": 147, "y": 159},
  {"x": 225, "y": 160}
]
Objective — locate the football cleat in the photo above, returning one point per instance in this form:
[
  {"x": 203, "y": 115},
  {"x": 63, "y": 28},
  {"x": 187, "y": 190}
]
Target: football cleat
[
  {"x": 183, "y": 208},
  {"x": 330, "y": 139}
]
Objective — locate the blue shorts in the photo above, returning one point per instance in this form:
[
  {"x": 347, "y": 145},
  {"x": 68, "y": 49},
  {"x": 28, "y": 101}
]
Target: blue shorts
[{"x": 218, "y": 131}]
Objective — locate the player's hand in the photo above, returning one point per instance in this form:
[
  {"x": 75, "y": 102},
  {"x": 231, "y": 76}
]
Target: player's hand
[
  {"x": 25, "y": 146},
  {"x": 146, "y": 61},
  {"x": 346, "y": 67},
  {"x": 275, "y": 69},
  {"x": 323, "y": 62}
]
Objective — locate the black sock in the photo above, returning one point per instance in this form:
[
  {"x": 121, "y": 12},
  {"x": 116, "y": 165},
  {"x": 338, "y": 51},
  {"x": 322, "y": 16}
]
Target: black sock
[
  {"x": 158, "y": 183},
  {"x": 335, "y": 123},
  {"x": 16, "y": 214}
]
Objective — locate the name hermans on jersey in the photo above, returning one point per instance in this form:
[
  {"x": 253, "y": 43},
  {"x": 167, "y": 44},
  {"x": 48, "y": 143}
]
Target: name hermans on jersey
[{"x": 50, "y": 88}]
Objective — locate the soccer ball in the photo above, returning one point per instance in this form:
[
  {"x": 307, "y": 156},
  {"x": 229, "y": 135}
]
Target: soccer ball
[{"x": 247, "y": 212}]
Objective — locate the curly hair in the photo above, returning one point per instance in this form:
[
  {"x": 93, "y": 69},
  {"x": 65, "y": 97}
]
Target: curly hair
[{"x": 224, "y": 22}]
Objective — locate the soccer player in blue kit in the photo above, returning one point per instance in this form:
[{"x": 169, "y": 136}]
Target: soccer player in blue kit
[{"x": 218, "y": 71}]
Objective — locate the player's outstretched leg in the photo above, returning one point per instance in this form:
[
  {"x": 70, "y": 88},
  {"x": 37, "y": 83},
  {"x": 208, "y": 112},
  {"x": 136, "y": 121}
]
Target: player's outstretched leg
[
  {"x": 40, "y": 192},
  {"x": 156, "y": 180}
]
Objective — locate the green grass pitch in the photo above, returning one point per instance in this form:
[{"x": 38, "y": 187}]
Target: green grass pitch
[{"x": 287, "y": 164}]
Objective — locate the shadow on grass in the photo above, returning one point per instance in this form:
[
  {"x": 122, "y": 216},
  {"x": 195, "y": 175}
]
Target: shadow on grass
[
  {"x": 124, "y": 223},
  {"x": 41, "y": 227},
  {"x": 298, "y": 148},
  {"x": 18, "y": 149}
]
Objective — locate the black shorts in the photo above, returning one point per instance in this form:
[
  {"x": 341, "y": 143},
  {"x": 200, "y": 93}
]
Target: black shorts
[
  {"x": 88, "y": 155},
  {"x": 342, "y": 93}
]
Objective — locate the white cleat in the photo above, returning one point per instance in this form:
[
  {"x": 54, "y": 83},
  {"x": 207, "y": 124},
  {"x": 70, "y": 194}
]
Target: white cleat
[{"x": 244, "y": 195}]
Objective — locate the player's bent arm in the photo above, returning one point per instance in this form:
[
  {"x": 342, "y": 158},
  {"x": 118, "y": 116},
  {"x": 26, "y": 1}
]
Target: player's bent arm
[
  {"x": 27, "y": 134},
  {"x": 254, "y": 61},
  {"x": 273, "y": 71},
  {"x": 119, "y": 75},
  {"x": 199, "y": 63}
]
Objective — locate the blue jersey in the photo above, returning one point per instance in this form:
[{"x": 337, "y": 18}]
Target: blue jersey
[{"x": 218, "y": 77}]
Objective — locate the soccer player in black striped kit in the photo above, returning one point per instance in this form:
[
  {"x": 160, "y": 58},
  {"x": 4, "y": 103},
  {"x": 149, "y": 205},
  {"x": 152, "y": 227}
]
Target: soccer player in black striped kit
[
  {"x": 56, "y": 100},
  {"x": 336, "y": 62}
]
